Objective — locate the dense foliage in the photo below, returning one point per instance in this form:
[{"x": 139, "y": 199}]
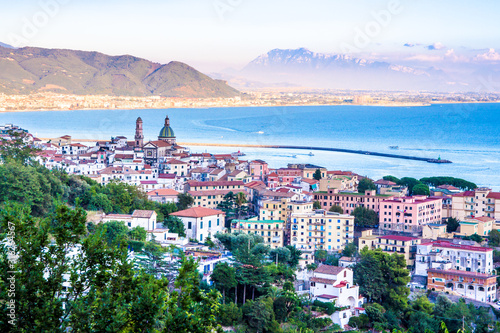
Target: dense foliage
[{"x": 365, "y": 217}]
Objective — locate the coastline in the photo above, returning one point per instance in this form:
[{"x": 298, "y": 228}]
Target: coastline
[{"x": 389, "y": 105}]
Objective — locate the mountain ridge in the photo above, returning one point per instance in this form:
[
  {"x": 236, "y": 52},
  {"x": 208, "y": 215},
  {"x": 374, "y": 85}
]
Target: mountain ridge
[
  {"x": 31, "y": 69},
  {"x": 340, "y": 71}
]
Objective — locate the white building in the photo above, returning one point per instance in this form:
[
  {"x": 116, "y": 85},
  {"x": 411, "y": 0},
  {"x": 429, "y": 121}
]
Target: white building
[
  {"x": 448, "y": 255},
  {"x": 335, "y": 284},
  {"x": 201, "y": 222},
  {"x": 139, "y": 218}
]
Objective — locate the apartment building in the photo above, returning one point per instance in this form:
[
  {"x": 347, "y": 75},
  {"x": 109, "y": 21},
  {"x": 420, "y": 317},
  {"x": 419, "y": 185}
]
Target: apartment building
[
  {"x": 350, "y": 200},
  {"x": 478, "y": 286},
  {"x": 409, "y": 214},
  {"x": 402, "y": 245},
  {"x": 281, "y": 209},
  {"x": 235, "y": 186},
  {"x": 449, "y": 255},
  {"x": 321, "y": 230},
  {"x": 481, "y": 202},
  {"x": 273, "y": 231},
  {"x": 478, "y": 225}
]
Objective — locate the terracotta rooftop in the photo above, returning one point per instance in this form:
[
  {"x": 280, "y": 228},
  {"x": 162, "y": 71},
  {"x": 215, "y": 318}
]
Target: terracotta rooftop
[
  {"x": 163, "y": 192},
  {"x": 324, "y": 281},
  {"x": 460, "y": 273},
  {"x": 398, "y": 238},
  {"x": 197, "y": 212},
  {"x": 328, "y": 269},
  {"x": 142, "y": 213}
]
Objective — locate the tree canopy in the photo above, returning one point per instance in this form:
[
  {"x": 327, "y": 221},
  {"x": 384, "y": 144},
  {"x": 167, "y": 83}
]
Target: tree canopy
[
  {"x": 366, "y": 184},
  {"x": 365, "y": 217}
]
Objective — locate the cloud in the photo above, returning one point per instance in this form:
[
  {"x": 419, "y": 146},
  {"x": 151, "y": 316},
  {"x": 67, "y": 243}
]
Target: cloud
[
  {"x": 436, "y": 46},
  {"x": 451, "y": 55},
  {"x": 491, "y": 55},
  {"x": 409, "y": 45},
  {"x": 424, "y": 57}
]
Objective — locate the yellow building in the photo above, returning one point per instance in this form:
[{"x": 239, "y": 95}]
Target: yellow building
[
  {"x": 479, "y": 225},
  {"x": 481, "y": 202},
  {"x": 281, "y": 209},
  {"x": 340, "y": 182},
  {"x": 367, "y": 239},
  {"x": 273, "y": 231},
  {"x": 403, "y": 245},
  {"x": 209, "y": 199},
  {"x": 321, "y": 230}
]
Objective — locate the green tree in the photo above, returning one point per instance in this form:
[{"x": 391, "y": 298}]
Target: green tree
[
  {"x": 365, "y": 217},
  {"x": 17, "y": 149},
  {"x": 259, "y": 315},
  {"x": 230, "y": 314},
  {"x": 421, "y": 189},
  {"x": 137, "y": 234},
  {"x": 295, "y": 255},
  {"x": 391, "y": 179},
  {"x": 175, "y": 225},
  {"x": 154, "y": 262},
  {"x": 452, "y": 224},
  {"x": 317, "y": 174},
  {"x": 383, "y": 277},
  {"x": 103, "y": 292},
  {"x": 224, "y": 278},
  {"x": 336, "y": 209},
  {"x": 191, "y": 309},
  {"x": 350, "y": 250},
  {"x": 35, "y": 186},
  {"x": 316, "y": 205},
  {"x": 475, "y": 238},
  {"x": 320, "y": 255},
  {"x": 366, "y": 184},
  {"x": 184, "y": 201},
  {"x": 375, "y": 313},
  {"x": 409, "y": 183},
  {"x": 494, "y": 238},
  {"x": 280, "y": 255},
  {"x": 116, "y": 232}
]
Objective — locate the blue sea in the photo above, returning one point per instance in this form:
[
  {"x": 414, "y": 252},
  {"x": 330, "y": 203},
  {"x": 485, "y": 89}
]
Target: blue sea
[{"x": 467, "y": 134}]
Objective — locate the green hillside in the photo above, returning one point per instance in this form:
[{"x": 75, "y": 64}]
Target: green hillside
[{"x": 30, "y": 69}]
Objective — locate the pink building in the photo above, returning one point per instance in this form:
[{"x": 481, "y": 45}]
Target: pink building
[
  {"x": 349, "y": 201},
  {"x": 258, "y": 169},
  {"x": 409, "y": 214}
]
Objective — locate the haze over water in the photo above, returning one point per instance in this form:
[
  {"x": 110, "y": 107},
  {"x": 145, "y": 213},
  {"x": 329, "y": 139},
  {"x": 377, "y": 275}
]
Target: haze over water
[{"x": 467, "y": 134}]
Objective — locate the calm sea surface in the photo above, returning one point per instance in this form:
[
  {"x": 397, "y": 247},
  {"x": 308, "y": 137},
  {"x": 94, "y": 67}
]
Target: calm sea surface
[{"x": 467, "y": 134}]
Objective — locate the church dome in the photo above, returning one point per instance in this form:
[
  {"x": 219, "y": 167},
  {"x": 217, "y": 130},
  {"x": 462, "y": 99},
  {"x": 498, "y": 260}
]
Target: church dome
[{"x": 167, "y": 131}]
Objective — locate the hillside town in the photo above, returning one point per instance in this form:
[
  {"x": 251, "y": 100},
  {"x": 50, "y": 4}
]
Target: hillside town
[{"x": 304, "y": 206}]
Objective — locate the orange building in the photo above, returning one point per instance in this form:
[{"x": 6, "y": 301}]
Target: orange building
[{"x": 479, "y": 286}]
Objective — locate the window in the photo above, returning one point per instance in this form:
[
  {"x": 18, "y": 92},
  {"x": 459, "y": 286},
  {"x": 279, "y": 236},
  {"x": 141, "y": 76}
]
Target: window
[
  {"x": 201, "y": 224},
  {"x": 189, "y": 225}
]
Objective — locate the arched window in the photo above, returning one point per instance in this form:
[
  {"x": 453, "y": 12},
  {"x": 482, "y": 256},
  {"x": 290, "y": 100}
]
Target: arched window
[
  {"x": 471, "y": 288},
  {"x": 461, "y": 286},
  {"x": 481, "y": 289}
]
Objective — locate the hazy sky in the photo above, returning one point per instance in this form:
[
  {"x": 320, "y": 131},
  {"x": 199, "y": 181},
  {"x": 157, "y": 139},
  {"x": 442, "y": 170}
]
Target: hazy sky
[{"x": 214, "y": 34}]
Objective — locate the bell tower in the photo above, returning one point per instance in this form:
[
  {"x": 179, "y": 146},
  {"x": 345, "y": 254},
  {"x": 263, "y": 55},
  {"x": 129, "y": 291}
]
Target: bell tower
[{"x": 139, "y": 136}]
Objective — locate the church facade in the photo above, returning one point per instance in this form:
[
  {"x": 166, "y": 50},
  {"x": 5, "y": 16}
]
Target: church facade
[{"x": 157, "y": 150}]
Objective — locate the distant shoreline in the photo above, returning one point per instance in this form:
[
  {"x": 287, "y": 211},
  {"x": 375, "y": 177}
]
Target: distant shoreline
[{"x": 254, "y": 106}]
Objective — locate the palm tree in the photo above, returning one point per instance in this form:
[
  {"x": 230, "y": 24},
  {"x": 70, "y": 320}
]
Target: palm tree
[{"x": 240, "y": 200}]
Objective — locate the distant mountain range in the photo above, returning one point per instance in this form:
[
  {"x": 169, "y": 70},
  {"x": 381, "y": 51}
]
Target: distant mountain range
[
  {"x": 302, "y": 67},
  {"x": 26, "y": 70}
]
